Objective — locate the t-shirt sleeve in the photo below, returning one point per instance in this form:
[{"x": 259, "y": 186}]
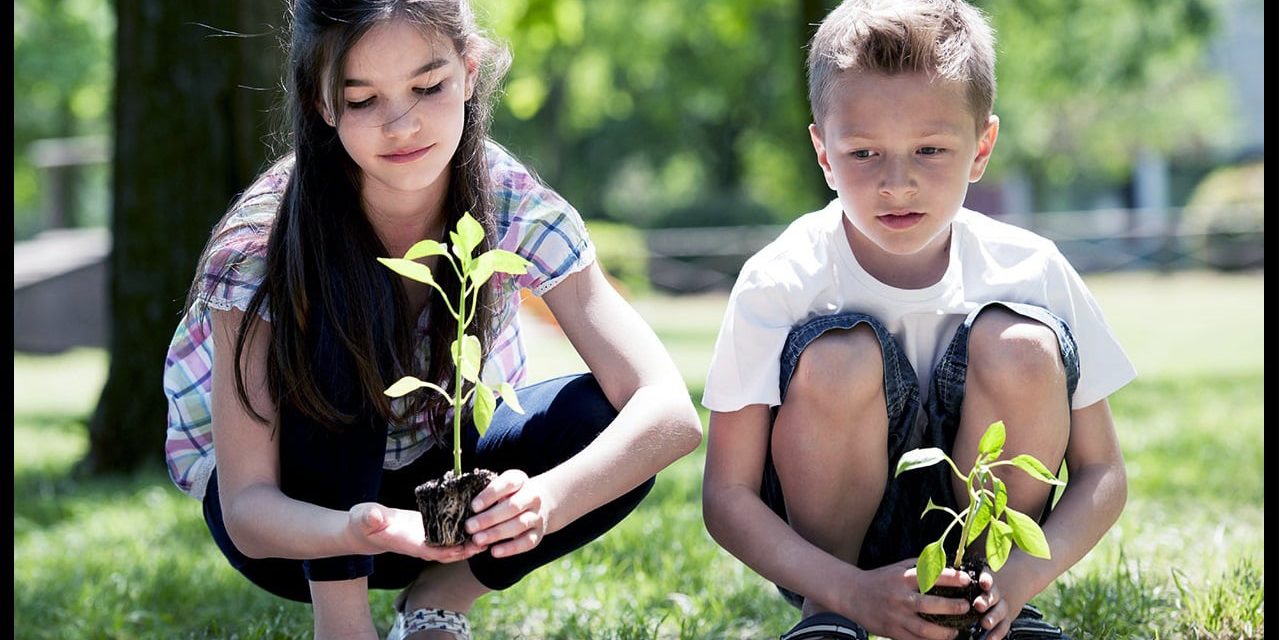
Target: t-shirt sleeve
[
  {"x": 1104, "y": 367},
  {"x": 232, "y": 272},
  {"x": 745, "y": 366},
  {"x": 538, "y": 224}
]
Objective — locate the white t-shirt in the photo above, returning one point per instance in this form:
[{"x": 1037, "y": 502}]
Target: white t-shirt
[{"x": 810, "y": 271}]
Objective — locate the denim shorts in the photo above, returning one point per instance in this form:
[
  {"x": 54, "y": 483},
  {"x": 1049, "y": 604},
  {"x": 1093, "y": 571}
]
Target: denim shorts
[{"x": 897, "y": 532}]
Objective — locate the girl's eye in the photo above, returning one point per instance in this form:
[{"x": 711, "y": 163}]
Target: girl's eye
[
  {"x": 431, "y": 90},
  {"x": 359, "y": 105}
]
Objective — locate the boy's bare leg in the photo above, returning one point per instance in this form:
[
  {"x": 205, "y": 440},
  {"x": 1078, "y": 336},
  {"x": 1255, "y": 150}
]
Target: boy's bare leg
[
  {"x": 1016, "y": 375},
  {"x": 830, "y": 438}
]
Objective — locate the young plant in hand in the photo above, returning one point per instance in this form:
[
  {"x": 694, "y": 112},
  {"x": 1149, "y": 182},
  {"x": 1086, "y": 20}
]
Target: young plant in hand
[
  {"x": 445, "y": 503},
  {"x": 988, "y": 512}
]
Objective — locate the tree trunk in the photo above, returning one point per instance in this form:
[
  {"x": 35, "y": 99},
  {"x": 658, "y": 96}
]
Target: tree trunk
[{"x": 191, "y": 115}]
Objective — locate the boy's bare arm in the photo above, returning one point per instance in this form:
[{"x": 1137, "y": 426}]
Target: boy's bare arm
[
  {"x": 1092, "y": 502},
  {"x": 741, "y": 522}
]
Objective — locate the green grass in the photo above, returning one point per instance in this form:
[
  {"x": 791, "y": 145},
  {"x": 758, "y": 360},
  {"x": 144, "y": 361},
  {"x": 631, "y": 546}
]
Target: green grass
[{"x": 129, "y": 557}]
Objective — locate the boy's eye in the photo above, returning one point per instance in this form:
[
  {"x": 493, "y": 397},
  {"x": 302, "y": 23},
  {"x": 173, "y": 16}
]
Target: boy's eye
[
  {"x": 930, "y": 151},
  {"x": 861, "y": 154}
]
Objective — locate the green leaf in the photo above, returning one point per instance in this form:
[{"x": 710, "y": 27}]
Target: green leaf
[
  {"x": 1028, "y": 534},
  {"x": 919, "y": 458},
  {"x": 999, "y": 543},
  {"x": 424, "y": 249},
  {"x": 404, "y": 386},
  {"x": 508, "y": 394},
  {"x": 981, "y": 518},
  {"x": 469, "y": 360},
  {"x": 992, "y": 441},
  {"x": 497, "y": 261},
  {"x": 1002, "y": 496},
  {"x": 455, "y": 245},
  {"x": 409, "y": 269},
  {"x": 929, "y": 566},
  {"x": 1036, "y": 469},
  {"x": 482, "y": 408},
  {"x": 470, "y": 234}
]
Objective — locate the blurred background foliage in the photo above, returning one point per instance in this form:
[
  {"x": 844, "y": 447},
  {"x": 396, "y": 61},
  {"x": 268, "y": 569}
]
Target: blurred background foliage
[
  {"x": 692, "y": 112},
  {"x": 63, "y": 74}
]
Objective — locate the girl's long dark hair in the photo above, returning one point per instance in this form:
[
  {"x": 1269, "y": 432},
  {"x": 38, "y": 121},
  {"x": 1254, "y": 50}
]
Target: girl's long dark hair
[{"x": 323, "y": 282}]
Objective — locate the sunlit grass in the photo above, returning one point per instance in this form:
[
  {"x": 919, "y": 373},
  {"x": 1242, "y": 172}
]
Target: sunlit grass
[{"x": 131, "y": 558}]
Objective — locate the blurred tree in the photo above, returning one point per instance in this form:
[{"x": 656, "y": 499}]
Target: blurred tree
[
  {"x": 61, "y": 87},
  {"x": 190, "y": 121},
  {"x": 634, "y": 110},
  {"x": 1087, "y": 85}
]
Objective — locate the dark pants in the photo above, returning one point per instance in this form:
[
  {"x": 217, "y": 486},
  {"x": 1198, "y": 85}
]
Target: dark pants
[{"x": 341, "y": 469}]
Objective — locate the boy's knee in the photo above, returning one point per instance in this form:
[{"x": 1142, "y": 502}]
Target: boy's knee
[
  {"x": 841, "y": 363},
  {"x": 1008, "y": 349}
]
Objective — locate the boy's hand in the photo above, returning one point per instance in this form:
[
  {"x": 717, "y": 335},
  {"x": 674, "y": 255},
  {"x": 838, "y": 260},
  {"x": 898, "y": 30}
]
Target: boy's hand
[
  {"x": 999, "y": 609},
  {"x": 887, "y": 601}
]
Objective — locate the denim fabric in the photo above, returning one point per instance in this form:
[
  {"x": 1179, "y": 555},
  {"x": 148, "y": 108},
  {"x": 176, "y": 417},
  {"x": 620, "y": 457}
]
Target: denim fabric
[
  {"x": 897, "y": 531},
  {"x": 339, "y": 469}
]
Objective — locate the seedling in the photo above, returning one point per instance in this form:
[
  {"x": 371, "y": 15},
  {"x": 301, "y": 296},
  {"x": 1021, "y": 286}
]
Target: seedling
[
  {"x": 468, "y": 360},
  {"x": 988, "y": 509}
]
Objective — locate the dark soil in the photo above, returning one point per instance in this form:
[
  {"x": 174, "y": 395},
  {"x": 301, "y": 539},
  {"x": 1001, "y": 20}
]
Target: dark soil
[
  {"x": 446, "y": 504},
  {"x": 969, "y": 593}
]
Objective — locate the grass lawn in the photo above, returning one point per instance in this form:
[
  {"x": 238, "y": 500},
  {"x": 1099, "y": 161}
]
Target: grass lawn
[{"x": 129, "y": 557}]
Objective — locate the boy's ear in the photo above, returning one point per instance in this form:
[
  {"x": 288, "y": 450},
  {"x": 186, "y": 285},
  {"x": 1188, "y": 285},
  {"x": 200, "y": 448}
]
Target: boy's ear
[
  {"x": 986, "y": 144},
  {"x": 820, "y": 149}
]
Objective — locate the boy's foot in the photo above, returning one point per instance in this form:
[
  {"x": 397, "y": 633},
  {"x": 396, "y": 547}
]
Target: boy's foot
[
  {"x": 1031, "y": 625},
  {"x": 826, "y": 626}
]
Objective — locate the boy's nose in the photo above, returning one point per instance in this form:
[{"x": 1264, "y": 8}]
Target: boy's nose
[{"x": 897, "y": 181}]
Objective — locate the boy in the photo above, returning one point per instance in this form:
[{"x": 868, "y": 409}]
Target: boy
[{"x": 894, "y": 319}]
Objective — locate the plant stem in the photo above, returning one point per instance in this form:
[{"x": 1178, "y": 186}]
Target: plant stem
[
  {"x": 457, "y": 380},
  {"x": 968, "y": 518}
]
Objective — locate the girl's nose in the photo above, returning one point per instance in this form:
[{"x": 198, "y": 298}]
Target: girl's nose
[{"x": 405, "y": 121}]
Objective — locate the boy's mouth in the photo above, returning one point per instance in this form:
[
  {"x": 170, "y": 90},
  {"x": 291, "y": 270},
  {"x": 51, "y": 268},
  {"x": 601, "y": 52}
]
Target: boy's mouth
[{"x": 899, "y": 220}]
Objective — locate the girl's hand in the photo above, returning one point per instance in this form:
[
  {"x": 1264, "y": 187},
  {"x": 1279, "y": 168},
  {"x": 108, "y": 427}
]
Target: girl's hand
[
  {"x": 515, "y": 508},
  {"x": 375, "y": 529},
  {"x": 887, "y": 601}
]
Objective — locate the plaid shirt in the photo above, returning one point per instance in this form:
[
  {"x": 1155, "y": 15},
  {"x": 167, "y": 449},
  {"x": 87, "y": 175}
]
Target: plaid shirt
[{"x": 533, "y": 221}]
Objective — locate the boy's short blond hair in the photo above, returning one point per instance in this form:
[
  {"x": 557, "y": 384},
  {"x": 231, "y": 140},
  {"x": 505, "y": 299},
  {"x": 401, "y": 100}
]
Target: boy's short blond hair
[{"x": 948, "y": 38}]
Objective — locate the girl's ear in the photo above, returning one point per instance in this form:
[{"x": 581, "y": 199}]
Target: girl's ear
[
  {"x": 326, "y": 113},
  {"x": 472, "y": 65}
]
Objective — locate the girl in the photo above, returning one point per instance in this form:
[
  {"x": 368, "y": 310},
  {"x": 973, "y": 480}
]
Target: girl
[{"x": 310, "y": 495}]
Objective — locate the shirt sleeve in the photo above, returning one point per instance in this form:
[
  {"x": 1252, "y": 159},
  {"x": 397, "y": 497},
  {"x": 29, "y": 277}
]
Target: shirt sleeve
[
  {"x": 537, "y": 224},
  {"x": 233, "y": 270},
  {"x": 745, "y": 366},
  {"x": 1104, "y": 367}
]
